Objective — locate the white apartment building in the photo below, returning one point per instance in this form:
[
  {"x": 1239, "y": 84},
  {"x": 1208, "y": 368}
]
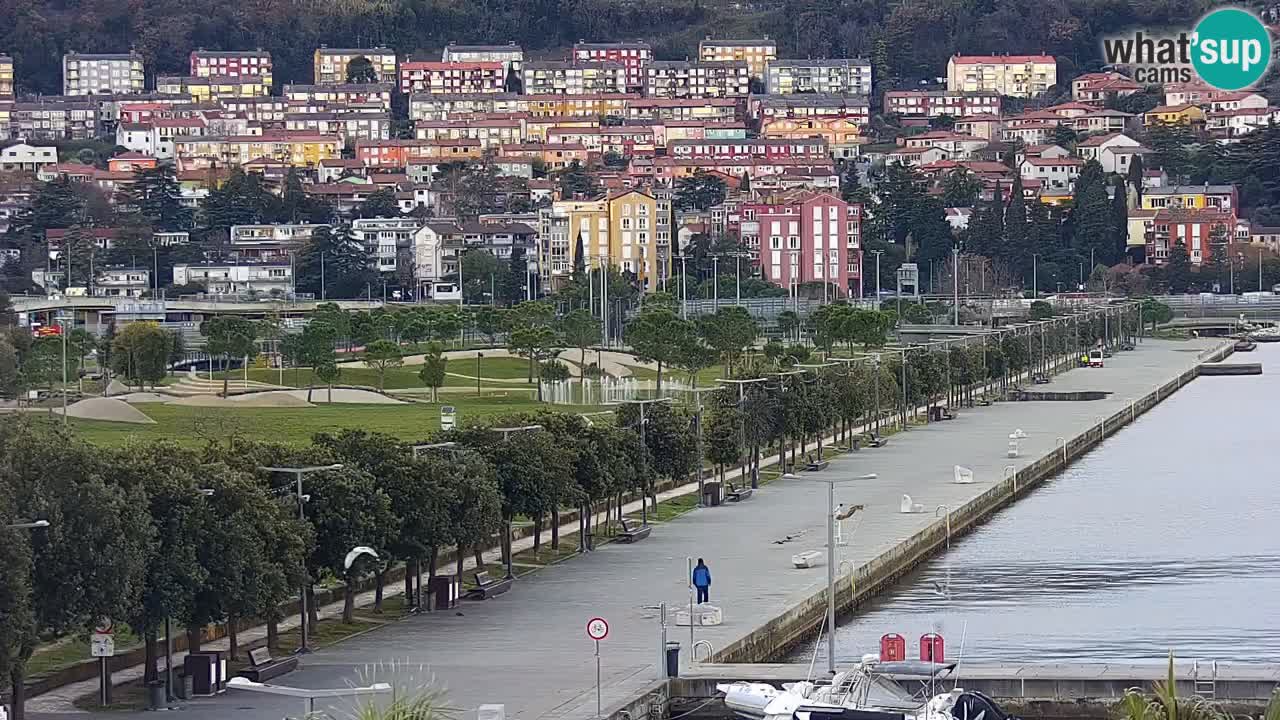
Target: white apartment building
[
  {"x": 385, "y": 239},
  {"x": 122, "y": 282},
  {"x": 269, "y": 242},
  {"x": 27, "y": 157},
  {"x": 686, "y": 79},
  {"x": 1023, "y": 76},
  {"x": 566, "y": 78},
  {"x": 842, "y": 77},
  {"x": 757, "y": 54},
  {"x": 103, "y": 74},
  {"x": 330, "y": 64},
  {"x": 511, "y": 56},
  {"x": 236, "y": 279}
]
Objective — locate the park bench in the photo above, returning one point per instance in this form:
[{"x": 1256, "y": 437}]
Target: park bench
[
  {"x": 948, "y": 413},
  {"x": 1040, "y": 379},
  {"x": 738, "y": 493},
  {"x": 631, "y": 532},
  {"x": 488, "y": 586},
  {"x": 875, "y": 441},
  {"x": 815, "y": 465},
  {"x": 984, "y": 401},
  {"x": 263, "y": 667}
]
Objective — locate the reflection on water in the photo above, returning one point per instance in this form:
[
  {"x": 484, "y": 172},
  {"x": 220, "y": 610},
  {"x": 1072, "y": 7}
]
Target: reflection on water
[{"x": 1166, "y": 537}]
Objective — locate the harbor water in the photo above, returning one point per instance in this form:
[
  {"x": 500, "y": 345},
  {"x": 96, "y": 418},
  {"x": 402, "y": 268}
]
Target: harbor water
[{"x": 1165, "y": 537}]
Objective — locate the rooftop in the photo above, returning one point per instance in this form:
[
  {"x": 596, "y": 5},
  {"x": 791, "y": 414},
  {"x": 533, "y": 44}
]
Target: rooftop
[{"x": 1000, "y": 59}]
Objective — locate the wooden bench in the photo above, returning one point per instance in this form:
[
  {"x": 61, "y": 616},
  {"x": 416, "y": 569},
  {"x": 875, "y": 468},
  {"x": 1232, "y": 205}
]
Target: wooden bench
[
  {"x": 816, "y": 465},
  {"x": 488, "y": 586},
  {"x": 263, "y": 667},
  {"x": 632, "y": 533},
  {"x": 1040, "y": 379},
  {"x": 876, "y": 441},
  {"x": 738, "y": 493},
  {"x": 948, "y": 414}
]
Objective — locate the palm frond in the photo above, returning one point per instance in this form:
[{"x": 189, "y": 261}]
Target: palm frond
[{"x": 1273, "y": 707}]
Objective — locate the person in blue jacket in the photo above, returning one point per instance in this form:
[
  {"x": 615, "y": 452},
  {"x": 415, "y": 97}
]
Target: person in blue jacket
[{"x": 702, "y": 580}]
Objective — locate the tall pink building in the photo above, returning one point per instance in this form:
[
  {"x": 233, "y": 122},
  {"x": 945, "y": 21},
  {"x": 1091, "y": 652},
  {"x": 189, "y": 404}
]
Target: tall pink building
[{"x": 803, "y": 236}]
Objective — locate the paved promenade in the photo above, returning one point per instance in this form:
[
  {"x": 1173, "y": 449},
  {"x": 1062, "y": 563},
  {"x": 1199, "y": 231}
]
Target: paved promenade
[{"x": 528, "y": 648}]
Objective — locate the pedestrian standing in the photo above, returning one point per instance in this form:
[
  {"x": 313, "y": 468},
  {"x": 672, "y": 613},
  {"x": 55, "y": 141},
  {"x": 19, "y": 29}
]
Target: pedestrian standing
[{"x": 702, "y": 581}]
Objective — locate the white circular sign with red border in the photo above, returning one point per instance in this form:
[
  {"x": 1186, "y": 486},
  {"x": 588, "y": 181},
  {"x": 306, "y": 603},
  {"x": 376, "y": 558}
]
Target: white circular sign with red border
[{"x": 597, "y": 628}]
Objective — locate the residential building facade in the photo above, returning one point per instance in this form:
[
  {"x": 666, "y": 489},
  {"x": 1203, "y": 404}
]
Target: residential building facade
[
  {"x": 568, "y": 78},
  {"x": 934, "y": 103},
  {"x": 330, "y": 64},
  {"x": 6, "y": 77},
  {"x": 757, "y": 53},
  {"x": 633, "y": 56},
  {"x": 445, "y": 78},
  {"x": 1021, "y": 76},
  {"x": 804, "y": 236},
  {"x": 686, "y": 79},
  {"x": 843, "y": 77},
  {"x": 102, "y": 74},
  {"x": 236, "y": 279},
  {"x": 234, "y": 63}
]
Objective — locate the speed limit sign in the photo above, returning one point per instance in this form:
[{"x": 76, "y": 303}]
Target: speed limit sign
[{"x": 597, "y": 629}]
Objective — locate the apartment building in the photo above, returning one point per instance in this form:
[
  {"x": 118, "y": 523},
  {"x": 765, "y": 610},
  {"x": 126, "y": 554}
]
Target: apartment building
[
  {"x": 809, "y": 149},
  {"x": 695, "y": 79},
  {"x": 445, "y": 78},
  {"x": 290, "y": 149},
  {"x": 1198, "y": 229},
  {"x": 102, "y": 74},
  {"x": 634, "y": 56},
  {"x": 708, "y": 109},
  {"x": 629, "y": 230},
  {"x": 269, "y": 278},
  {"x": 341, "y": 94},
  {"x": 569, "y": 78},
  {"x": 757, "y": 54},
  {"x": 386, "y": 240},
  {"x": 54, "y": 118},
  {"x": 121, "y": 282},
  {"x": 352, "y": 125},
  {"x": 1197, "y": 197},
  {"x": 269, "y": 242},
  {"x": 511, "y": 55},
  {"x": 810, "y": 105},
  {"x": 330, "y": 64},
  {"x": 1021, "y": 76},
  {"x": 846, "y": 77},
  {"x": 214, "y": 88},
  {"x": 232, "y": 63},
  {"x": 913, "y": 104},
  {"x": 27, "y": 158},
  {"x": 803, "y": 236},
  {"x": 399, "y": 153},
  {"x": 1097, "y": 88},
  {"x": 6, "y": 77}
]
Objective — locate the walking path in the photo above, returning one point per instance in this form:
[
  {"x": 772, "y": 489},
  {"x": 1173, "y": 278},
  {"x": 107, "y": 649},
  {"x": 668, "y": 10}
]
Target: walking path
[{"x": 528, "y": 650}]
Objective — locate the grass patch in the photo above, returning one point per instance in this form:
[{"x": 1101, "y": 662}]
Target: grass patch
[
  {"x": 64, "y": 653},
  {"x": 194, "y": 426},
  {"x": 405, "y": 376}
]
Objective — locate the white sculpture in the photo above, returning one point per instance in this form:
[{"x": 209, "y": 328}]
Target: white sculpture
[
  {"x": 806, "y": 559},
  {"x": 910, "y": 507},
  {"x": 963, "y": 475}
]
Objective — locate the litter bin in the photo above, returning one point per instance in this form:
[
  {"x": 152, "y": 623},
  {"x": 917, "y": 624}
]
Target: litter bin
[
  {"x": 442, "y": 592},
  {"x": 712, "y": 493},
  {"x": 155, "y": 694},
  {"x": 184, "y": 688},
  {"x": 673, "y": 659}
]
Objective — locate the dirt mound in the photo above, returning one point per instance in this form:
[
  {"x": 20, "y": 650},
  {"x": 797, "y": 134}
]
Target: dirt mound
[
  {"x": 347, "y": 396},
  {"x": 108, "y": 409},
  {"x": 275, "y": 398}
]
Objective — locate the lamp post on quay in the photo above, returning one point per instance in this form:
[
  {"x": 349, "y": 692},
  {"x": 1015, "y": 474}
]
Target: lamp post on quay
[
  {"x": 831, "y": 555},
  {"x": 298, "y": 473}
]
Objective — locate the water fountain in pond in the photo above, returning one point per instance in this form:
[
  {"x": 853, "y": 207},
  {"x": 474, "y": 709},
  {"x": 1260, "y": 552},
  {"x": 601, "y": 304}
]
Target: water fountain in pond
[{"x": 611, "y": 391}]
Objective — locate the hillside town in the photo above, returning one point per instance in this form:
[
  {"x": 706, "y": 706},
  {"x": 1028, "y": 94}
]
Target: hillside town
[{"x": 224, "y": 181}]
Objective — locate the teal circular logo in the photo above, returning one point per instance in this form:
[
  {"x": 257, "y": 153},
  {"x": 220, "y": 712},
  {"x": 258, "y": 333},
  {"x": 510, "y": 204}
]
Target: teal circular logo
[{"x": 1231, "y": 49}]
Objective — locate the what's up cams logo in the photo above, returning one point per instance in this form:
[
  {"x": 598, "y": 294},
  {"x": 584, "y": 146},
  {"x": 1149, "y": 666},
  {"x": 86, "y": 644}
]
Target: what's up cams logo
[{"x": 1229, "y": 49}]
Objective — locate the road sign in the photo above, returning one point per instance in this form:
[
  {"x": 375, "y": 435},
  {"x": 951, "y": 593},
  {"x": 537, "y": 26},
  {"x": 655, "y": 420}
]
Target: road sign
[
  {"x": 597, "y": 629},
  {"x": 102, "y": 645},
  {"x": 104, "y": 626}
]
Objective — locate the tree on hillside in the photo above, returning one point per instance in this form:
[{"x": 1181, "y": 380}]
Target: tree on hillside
[
  {"x": 155, "y": 195},
  {"x": 380, "y": 204},
  {"x": 331, "y": 264},
  {"x": 229, "y": 336},
  {"x": 382, "y": 355},
  {"x": 580, "y": 331},
  {"x": 360, "y": 70},
  {"x": 434, "y": 365},
  {"x": 699, "y": 192}
]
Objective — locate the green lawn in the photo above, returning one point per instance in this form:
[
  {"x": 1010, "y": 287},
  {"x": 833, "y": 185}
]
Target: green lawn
[
  {"x": 405, "y": 376},
  {"x": 197, "y": 425},
  {"x": 706, "y": 378}
]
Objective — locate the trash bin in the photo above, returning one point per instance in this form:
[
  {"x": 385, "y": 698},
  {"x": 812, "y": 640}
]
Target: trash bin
[
  {"x": 673, "y": 659},
  {"x": 155, "y": 694},
  {"x": 712, "y": 493},
  {"x": 442, "y": 592},
  {"x": 184, "y": 687}
]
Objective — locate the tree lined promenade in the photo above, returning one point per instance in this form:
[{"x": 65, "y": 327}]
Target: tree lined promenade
[{"x": 206, "y": 536}]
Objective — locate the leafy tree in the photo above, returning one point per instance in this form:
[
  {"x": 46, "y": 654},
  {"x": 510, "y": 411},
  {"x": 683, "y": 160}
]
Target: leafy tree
[
  {"x": 156, "y": 195},
  {"x": 360, "y": 70},
  {"x": 242, "y": 200},
  {"x": 141, "y": 353},
  {"x": 730, "y": 331},
  {"x": 331, "y": 264},
  {"x": 97, "y": 538},
  {"x": 380, "y": 204},
  {"x": 699, "y": 192},
  {"x": 581, "y": 330},
  {"x": 347, "y": 509},
  {"x": 10, "y": 377},
  {"x": 575, "y": 182},
  {"x": 960, "y": 188},
  {"x": 433, "y": 371},
  {"x": 1091, "y": 219},
  {"x": 1041, "y": 310},
  {"x": 1177, "y": 269},
  {"x": 229, "y": 336},
  {"x": 382, "y": 355},
  {"x": 658, "y": 335},
  {"x": 553, "y": 371}
]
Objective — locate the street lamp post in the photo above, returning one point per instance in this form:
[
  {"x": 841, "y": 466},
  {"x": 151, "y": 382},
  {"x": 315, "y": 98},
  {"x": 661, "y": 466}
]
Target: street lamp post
[
  {"x": 955, "y": 283},
  {"x": 831, "y": 557},
  {"x": 877, "y": 253},
  {"x": 298, "y": 473},
  {"x": 510, "y": 551},
  {"x": 1035, "y": 276}
]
